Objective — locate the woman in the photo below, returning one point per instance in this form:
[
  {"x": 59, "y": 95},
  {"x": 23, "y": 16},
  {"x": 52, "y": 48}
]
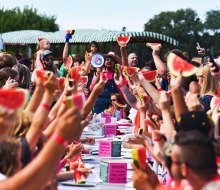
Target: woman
[
  {"x": 208, "y": 86},
  {"x": 117, "y": 107}
]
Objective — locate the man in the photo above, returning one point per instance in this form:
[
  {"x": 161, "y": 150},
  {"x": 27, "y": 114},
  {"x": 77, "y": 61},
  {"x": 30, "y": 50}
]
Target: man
[
  {"x": 103, "y": 100},
  {"x": 132, "y": 60},
  {"x": 193, "y": 158}
]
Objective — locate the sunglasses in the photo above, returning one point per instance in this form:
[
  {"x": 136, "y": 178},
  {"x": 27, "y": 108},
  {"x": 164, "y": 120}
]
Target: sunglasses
[
  {"x": 49, "y": 59},
  {"x": 109, "y": 59},
  {"x": 113, "y": 100}
]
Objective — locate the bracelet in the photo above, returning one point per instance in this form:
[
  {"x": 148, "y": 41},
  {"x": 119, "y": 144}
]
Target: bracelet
[
  {"x": 46, "y": 106},
  {"x": 59, "y": 140},
  {"x": 160, "y": 89},
  {"x": 158, "y": 139}
]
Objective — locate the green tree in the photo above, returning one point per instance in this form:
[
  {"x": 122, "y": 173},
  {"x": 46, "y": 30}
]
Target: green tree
[
  {"x": 183, "y": 25},
  {"x": 26, "y": 19},
  {"x": 212, "y": 21}
]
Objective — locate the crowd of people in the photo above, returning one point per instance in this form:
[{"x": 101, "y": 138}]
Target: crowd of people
[{"x": 179, "y": 120}]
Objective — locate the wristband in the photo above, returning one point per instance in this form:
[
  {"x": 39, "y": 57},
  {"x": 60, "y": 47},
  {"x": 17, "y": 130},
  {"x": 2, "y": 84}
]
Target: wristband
[
  {"x": 59, "y": 140},
  {"x": 46, "y": 106}
]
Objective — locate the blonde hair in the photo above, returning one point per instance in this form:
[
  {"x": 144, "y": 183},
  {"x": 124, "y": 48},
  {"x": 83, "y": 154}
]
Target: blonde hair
[
  {"x": 210, "y": 83},
  {"x": 41, "y": 42}
]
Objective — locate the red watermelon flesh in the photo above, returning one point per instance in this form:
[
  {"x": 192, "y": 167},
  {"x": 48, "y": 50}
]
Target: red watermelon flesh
[
  {"x": 149, "y": 75},
  {"x": 79, "y": 100},
  {"x": 153, "y": 45},
  {"x": 83, "y": 80},
  {"x": 40, "y": 73},
  {"x": 150, "y": 123},
  {"x": 13, "y": 99},
  {"x": 79, "y": 177},
  {"x": 142, "y": 157},
  {"x": 120, "y": 105},
  {"x": 177, "y": 64},
  {"x": 68, "y": 63},
  {"x": 75, "y": 73},
  {"x": 61, "y": 83},
  {"x": 130, "y": 71},
  {"x": 104, "y": 76},
  {"x": 123, "y": 39}
]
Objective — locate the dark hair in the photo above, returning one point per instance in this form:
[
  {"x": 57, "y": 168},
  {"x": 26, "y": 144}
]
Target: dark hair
[
  {"x": 24, "y": 75},
  {"x": 7, "y": 60},
  {"x": 94, "y": 43},
  {"x": 197, "y": 152},
  {"x": 9, "y": 149},
  {"x": 78, "y": 58},
  {"x": 118, "y": 98},
  {"x": 5, "y": 73}
]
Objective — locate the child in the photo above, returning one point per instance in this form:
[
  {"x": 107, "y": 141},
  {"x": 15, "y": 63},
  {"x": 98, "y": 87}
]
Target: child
[{"x": 43, "y": 44}]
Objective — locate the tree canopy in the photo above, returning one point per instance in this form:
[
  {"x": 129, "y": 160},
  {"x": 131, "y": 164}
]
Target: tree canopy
[
  {"x": 185, "y": 26},
  {"x": 26, "y": 19}
]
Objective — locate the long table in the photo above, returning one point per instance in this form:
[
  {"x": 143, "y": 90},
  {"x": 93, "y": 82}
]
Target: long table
[{"x": 95, "y": 160}]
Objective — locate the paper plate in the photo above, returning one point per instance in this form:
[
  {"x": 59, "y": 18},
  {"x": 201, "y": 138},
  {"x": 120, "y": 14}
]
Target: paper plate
[{"x": 97, "y": 60}]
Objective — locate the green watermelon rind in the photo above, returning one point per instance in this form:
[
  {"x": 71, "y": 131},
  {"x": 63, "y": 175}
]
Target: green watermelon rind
[
  {"x": 130, "y": 75},
  {"x": 151, "y": 46},
  {"x": 24, "y": 100},
  {"x": 171, "y": 61}
]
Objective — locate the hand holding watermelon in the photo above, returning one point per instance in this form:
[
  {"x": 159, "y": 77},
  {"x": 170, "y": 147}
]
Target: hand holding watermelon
[
  {"x": 123, "y": 40},
  {"x": 164, "y": 101},
  {"x": 176, "y": 83},
  {"x": 51, "y": 83}
]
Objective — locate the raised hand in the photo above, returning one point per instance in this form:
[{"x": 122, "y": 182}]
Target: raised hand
[
  {"x": 51, "y": 83},
  {"x": 164, "y": 101},
  {"x": 176, "y": 82},
  {"x": 10, "y": 83}
]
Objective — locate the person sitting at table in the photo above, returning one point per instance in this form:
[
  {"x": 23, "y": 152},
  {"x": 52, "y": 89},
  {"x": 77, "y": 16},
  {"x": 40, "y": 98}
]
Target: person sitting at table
[{"x": 117, "y": 107}]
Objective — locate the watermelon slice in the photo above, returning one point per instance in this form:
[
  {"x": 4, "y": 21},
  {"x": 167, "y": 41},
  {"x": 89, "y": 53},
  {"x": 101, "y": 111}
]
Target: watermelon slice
[
  {"x": 79, "y": 177},
  {"x": 40, "y": 73},
  {"x": 130, "y": 71},
  {"x": 150, "y": 123},
  {"x": 177, "y": 64},
  {"x": 123, "y": 40},
  {"x": 83, "y": 80},
  {"x": 144, "y": 98},
  {"x": 75, "y": 73},
  {"x": 104, "y": 76},
  {"x": 120, "y": 105},
  {"x": 78, "y": 100},
  {"x": 68, "y": 62},
  {"x": 61, "y": 83},
  {"x": 13, "y": 99},
  {"x": 139, "y": 157},
  {"x": 71, "y": 32},
  {"x": 149, "y": 75},
  {"x": 153, "y": 45}
]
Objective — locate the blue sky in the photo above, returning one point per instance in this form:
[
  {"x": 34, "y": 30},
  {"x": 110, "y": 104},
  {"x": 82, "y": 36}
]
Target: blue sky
[{"x": 109, "y": 14}]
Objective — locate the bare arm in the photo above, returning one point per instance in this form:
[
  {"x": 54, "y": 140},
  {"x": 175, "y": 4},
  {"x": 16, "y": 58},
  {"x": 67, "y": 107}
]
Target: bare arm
[
  {"x": 124, "y": 56},
  {"x": 65, "y": 51},
  {"x": 98, "y": 88},
  {"x": 178, "y": 96},
  {"x": 36, "y": 174},
  {"x": 36, "y": 98},
  {"x": 160, "y": 65},
  {"x": 153, "y": 92},
  {"x": 41, "y": 114}
]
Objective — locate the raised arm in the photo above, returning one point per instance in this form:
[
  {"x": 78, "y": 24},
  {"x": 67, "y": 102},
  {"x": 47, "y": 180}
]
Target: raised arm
[
  {"x": 41, "y": 116},
  {"x": 124, "y": 56},
  {"x": 160, "y": 65},
  {"x": 36, "y": 174}
]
